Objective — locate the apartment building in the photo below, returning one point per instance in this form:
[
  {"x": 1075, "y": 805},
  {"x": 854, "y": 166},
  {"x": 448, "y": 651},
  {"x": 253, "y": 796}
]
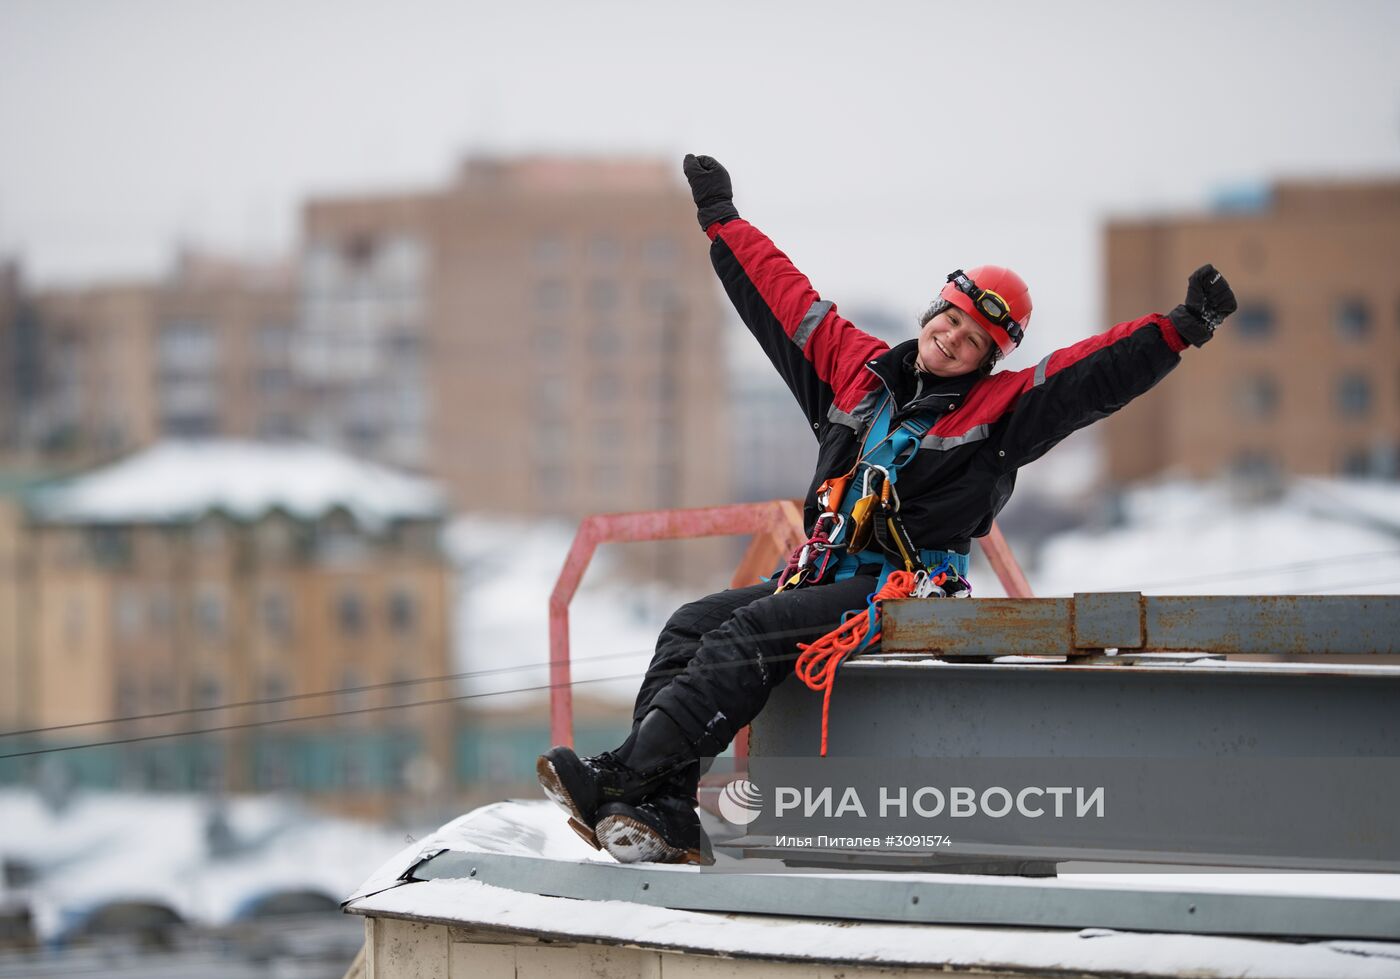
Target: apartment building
[
  {"x": 203, "y": 353},
  {"x": 188, "y": 577},
  {"x": 1305, "y": 378},
  {"x": 543, "y": 335}
]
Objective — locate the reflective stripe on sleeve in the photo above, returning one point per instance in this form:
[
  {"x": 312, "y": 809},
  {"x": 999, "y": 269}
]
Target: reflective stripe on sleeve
[
  {"x": 1040, "y": 369},
  {"x": 953, "y": 441},
  {"x": 810, "y": 322}
]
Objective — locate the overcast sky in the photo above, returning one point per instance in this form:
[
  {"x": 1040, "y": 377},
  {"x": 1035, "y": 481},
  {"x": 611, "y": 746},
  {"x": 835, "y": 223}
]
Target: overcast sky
[{"x": 880, "y": 144}]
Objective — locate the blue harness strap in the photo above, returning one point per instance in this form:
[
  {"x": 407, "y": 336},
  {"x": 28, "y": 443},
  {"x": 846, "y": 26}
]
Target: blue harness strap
[{"x": 890, "y": 454}]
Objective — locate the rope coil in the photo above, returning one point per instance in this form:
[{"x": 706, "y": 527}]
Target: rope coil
[{"x": 818, "y": 661}]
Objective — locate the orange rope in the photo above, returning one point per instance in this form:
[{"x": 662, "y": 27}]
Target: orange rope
[{"x": 818, "y": 662}]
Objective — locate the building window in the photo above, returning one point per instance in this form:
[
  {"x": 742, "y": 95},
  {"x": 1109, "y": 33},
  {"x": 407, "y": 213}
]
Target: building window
[
  {"x": 338, "y": 539},
  {"x": 403, "y": 612},
  {"x": 605, "y": 340},
  {"x": 130, "y": 606},
  {"x": 1254, "y": 321},
  {"x": 1355, "y": 463},
  {"x": 1353, "y": 319},
  {"x": 273, "y": 381},
  {"x": 162, "y": 694},
  {"x": 658, "y": 296},
  {"x": 551, "y": 481},
  {"x": 273, "y": 770},
  {"x": 1254, "y": 464},
  {"x": 1256, "y": 396},
  {"x": 659, "y": 250},
  {"x": 548, "y": 339},
  {"x": 110, "y": 546},
  {"x": 607, "y": 386},
  {"x": 607, "y": 479},
  {"x": 1354, "y": 396},
  {"x": 276, "y": 615},
  {"x": 603, "y": 295},
  {"x": 188, "y": 346},
  {"x": 273, "y": 693},
  {"x": 357, "y": 251},
  {"x": 274, "y": 536},
  {"x": 211, "y": 536},
  {"x": 350, "y": 614},
  {"x": 352, "y": 697},
  {"x": 208, "y": 692},
  {"x": 550, "y": 296},
  {"x": 128, "y": 697},
  {"x": 275, "y": 344},
  {"x": 604, "y": 249},
  {"x": 403, "y": 689},
  {"x": 209, "y": 614},
  {"x": 277, "y": 427},
  {"x": 548, "y": 249},
  {"x": 161, "y": 610}
]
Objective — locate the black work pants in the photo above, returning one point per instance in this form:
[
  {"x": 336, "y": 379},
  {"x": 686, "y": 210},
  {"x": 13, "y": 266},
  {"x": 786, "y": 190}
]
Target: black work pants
[{"x": 719, "y": 658}]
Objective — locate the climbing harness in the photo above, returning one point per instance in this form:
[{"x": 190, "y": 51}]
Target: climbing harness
[{"x": 866, "y": 531}]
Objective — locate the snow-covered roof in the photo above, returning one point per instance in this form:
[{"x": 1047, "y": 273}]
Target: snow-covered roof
[
  {"x": 1320, "y": 536},
  {"x": 180, "y": 481},
  {"x": 106, "y": 847},
  {"x": 534, "y": 833}
]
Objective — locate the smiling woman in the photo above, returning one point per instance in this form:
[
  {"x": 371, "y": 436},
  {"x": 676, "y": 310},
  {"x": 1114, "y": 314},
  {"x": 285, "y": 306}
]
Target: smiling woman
[
  {"x": 979, "y": 317},
  {"x": 928, "y": 413}
]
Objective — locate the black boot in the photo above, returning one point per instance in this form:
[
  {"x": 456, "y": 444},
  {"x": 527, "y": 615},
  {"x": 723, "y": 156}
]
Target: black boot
[
  {"x": 664, "y": 829},
  {"x": 655, "y": 752}
]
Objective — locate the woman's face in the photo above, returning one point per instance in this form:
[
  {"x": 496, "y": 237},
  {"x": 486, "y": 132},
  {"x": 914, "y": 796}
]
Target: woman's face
[{"x": 952, "y": 344}]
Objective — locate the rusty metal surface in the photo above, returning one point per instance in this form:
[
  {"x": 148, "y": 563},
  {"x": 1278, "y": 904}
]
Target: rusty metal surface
[
  {"x": 978, "y": 626},
  {"x": 1294, "y": 625},
  {"x": 1108, "y": 620},
  {"x": 1286, "y": 625},
  {"x": 1189, "y": 665}
]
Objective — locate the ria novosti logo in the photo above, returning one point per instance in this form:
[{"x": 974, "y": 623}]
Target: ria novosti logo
[{"x": 740, "y": 802}]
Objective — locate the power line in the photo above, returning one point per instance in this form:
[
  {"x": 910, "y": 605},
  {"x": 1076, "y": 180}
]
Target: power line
[
  {"x": 245, "y": 725},
  {"x": 370, "y": 687},
  {"x": 305, "y": 717},
  {"x": 288, "y": 698},
  {"x": 1352, "y": 584},
  {"x": 450, "y": 677}
]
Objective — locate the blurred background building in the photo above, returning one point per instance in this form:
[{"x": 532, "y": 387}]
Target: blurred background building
[
  {"x": 544, "y": 337},
  {"x": 222, "y": 584},
  {"x": 1305, "y": 378}
]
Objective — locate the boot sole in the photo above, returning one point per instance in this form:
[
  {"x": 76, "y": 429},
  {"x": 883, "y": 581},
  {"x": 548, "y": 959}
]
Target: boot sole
[
  {"x": 632, "y": 841},
  {"x": 587, "y": 835},
  {"x": 554, "y": 788}
]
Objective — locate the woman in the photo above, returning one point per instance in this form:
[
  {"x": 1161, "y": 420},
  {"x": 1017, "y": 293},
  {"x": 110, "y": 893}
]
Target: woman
[{"x": 924, "y": 432}]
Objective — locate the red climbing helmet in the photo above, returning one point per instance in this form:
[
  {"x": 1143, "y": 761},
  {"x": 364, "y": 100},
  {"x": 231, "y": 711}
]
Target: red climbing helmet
[{"x": 997, "y": 298}]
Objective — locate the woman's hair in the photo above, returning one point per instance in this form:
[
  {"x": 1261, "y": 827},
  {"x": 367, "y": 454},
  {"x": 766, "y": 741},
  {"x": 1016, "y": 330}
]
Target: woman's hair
[{"x": 994, "y": 351}]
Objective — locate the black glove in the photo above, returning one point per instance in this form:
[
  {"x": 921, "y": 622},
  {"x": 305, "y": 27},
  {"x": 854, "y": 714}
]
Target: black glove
[
  {"x": 1209, "y": 299},
  {"x": 711, "y": 189}
]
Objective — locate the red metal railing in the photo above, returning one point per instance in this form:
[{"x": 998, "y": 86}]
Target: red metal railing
[{"x": 776, "y": 528}]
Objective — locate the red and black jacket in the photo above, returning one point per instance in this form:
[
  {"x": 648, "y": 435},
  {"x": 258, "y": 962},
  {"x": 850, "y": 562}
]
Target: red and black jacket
[{"x": 987, "y": 426}]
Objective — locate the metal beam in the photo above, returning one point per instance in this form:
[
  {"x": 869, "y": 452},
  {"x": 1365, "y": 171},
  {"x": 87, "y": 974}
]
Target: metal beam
[
  {"x": 1289, "y": 625},
  {"x": 929, "y": 900}
]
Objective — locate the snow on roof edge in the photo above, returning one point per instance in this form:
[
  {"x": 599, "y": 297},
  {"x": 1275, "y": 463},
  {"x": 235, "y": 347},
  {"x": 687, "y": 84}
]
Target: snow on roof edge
[{"x": 184, "y": 481}]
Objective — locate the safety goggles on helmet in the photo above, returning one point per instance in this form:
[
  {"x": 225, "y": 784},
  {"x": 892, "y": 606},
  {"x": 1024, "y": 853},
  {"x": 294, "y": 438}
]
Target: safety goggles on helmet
[{"x": 989, "y": 304}]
